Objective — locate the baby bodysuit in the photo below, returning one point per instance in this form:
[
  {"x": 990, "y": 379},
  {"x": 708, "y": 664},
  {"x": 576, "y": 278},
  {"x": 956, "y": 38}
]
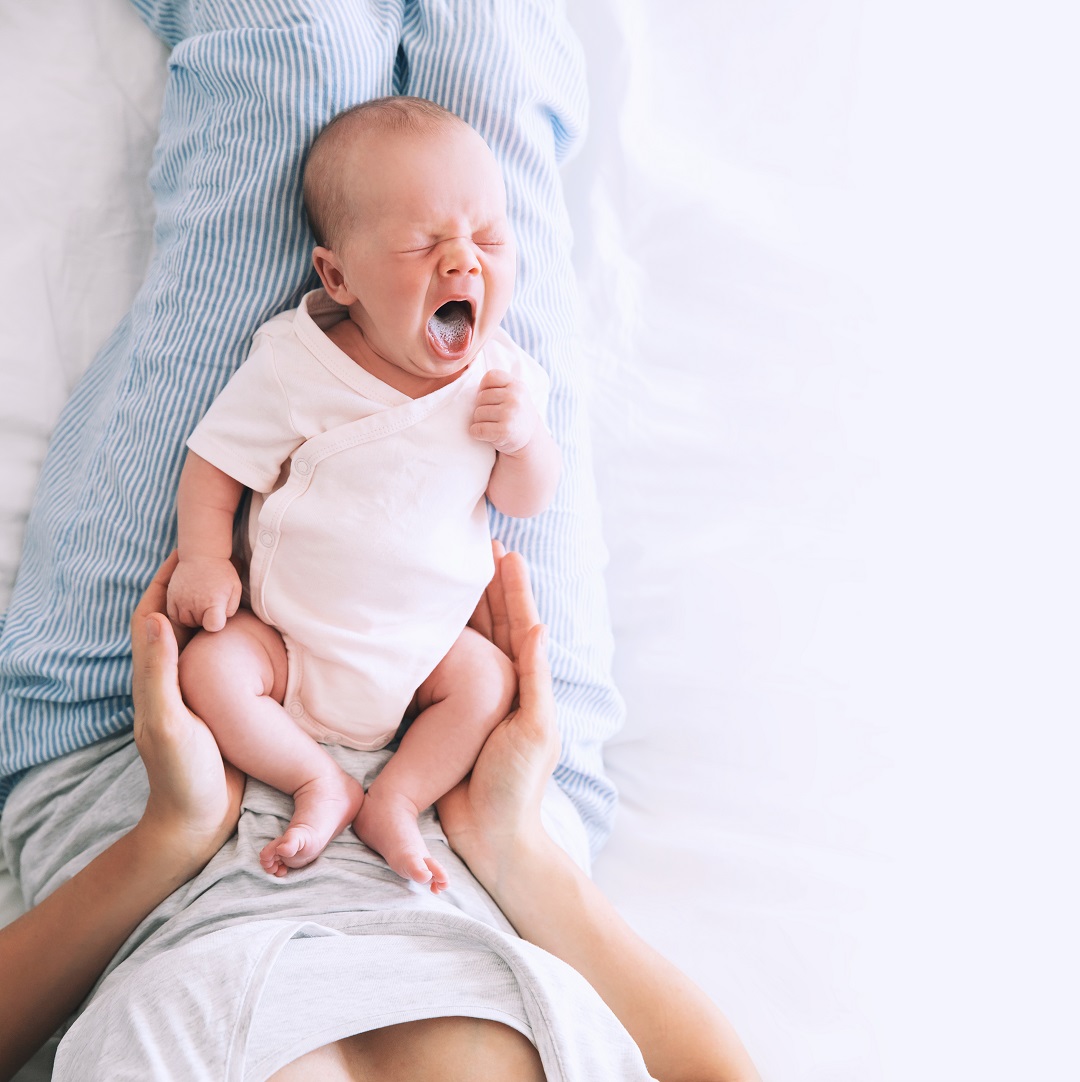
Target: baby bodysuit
[{"x": 368, "y": 533}]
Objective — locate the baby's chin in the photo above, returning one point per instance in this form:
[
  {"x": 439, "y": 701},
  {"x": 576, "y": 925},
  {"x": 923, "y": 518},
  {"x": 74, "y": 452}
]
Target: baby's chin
[{"x": 438, "y": 370}]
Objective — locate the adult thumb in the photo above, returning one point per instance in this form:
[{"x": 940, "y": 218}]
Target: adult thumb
[{"x": 155, "y": 686}]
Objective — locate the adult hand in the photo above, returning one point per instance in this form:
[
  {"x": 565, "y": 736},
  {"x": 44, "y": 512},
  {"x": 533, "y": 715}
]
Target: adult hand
[
  {"x": 492, "y": 819},
  {"x": 495, "y": 811},
  {"x": 194, "y": 800},
  {"x": 59, "y": 948}
]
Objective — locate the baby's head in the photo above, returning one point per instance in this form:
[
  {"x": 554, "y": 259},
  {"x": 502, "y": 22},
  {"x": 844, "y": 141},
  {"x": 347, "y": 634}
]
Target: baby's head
[{"x": 409, "y": 213}]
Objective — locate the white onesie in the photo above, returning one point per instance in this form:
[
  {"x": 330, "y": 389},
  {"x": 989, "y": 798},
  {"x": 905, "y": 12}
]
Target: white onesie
[{"x": 368, "y": 526}]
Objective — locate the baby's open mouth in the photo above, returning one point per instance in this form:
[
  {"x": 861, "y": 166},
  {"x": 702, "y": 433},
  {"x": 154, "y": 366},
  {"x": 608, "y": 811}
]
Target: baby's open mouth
[{"x": 450, "y": 328}]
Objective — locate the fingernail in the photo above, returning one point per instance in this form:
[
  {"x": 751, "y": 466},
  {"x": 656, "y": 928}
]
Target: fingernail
[
  {"x": 543, "y": 635},
  {"x": 153, "y": 632}
]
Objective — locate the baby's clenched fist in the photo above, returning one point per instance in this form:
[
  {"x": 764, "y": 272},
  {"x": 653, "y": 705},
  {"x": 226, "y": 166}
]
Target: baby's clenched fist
[
  {"x": 504, "y": 416},
  {"x": 204, "y": 592}
]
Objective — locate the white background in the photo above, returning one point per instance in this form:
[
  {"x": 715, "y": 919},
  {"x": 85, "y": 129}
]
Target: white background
[{"x": 851, "y": 231}]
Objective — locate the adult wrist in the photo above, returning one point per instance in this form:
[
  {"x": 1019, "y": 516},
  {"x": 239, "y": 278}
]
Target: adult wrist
[
  {"x": 510, "y": 862},
  {"x": 172, "y": 852}
]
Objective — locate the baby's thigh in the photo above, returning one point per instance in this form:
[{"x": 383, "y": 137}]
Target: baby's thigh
[
  {"x": 474, "y": 669},
  {"x": 245, "y": 658}
]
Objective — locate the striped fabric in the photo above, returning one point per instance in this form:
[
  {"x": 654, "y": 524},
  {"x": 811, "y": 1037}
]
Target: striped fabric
[{"x": 249, "y": 85}]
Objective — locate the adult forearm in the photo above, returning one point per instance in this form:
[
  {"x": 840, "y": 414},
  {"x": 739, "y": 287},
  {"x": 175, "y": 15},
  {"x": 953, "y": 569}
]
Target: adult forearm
[
  {"x": 681, "y": 1033},
  {"x": 52, "y": 955}
]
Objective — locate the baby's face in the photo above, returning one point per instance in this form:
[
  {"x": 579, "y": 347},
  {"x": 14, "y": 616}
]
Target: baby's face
[{"x": 428, "y": 269}]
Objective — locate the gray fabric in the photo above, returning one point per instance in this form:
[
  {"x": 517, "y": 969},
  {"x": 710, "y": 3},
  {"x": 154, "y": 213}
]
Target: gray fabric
[{"x": 203, "y": 987}]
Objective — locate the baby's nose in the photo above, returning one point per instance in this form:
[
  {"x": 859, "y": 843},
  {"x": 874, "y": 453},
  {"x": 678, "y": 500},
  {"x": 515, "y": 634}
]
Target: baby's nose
[{"x": 459, "y": 257}]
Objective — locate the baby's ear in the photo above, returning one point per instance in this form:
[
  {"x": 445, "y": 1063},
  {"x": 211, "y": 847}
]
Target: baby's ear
[{"x": 330, "y": 273}]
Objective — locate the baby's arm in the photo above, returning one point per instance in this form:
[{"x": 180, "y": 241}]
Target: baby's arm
[
  {"x": 205, "y": 588},
  {"x": 528, "y": 462}
]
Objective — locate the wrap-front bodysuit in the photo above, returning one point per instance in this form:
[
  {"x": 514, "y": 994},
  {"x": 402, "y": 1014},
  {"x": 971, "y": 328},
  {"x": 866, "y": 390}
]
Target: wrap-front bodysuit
[{"x": 367, "y": 534}]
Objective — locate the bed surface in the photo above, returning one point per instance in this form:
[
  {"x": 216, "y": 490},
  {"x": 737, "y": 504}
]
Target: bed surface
[{"x": 827, "y": 265}]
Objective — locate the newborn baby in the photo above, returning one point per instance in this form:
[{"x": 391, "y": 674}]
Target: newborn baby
[{"x": 369, "y": 424}]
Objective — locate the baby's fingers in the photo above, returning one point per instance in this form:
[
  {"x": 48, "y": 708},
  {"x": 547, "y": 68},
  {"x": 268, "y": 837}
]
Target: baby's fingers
[
  {"x": 487, "y": 431},
  {"x": 189, "y": 615},
  {"x": 217, "y": 611},
  {"x": 495, "y": 378},
  {"x": 489, "y": 413},
  {"x": 494, "y": 397}
]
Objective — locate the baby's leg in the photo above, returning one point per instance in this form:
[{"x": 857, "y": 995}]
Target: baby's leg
[
  {"x": 234, "y": 679},
  {"x": 467, "y": 695}
]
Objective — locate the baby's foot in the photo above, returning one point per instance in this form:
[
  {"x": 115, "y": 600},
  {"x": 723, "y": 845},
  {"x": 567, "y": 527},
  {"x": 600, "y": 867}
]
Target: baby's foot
[
  {"x": 322, "y": 809},
  {"x": 387, "y": 823}
]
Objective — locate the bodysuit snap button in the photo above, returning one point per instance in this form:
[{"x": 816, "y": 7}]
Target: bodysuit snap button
[
  {"x": 295, "y": 709},
  {"x": 267, "y": 538},
  {"x": 303, "y": 467}
]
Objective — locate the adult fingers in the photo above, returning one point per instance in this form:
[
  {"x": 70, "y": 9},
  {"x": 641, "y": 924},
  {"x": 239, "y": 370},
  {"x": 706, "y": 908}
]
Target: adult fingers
[
  {"x": 500, "y": 621},
  {"x": 535, "y": 718},
  {"x": 154, "y": 600},
  {"x": 521, "y": 611},
  {"x": 481, "y": 618},
  {"x": 195, "y": 796},
  {"x": 154, "y": 688}
]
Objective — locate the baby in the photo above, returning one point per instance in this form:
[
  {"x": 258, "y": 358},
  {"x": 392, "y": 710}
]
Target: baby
[{"x": 369, "y": 424}]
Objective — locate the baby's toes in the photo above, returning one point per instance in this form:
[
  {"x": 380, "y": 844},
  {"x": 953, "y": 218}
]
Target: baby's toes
[
  {"x": 439, "y": 879},
  {"x": 412, "y": 866},
  {"x": 290, "y": 843},
  {"x": 270, "y": 858}
]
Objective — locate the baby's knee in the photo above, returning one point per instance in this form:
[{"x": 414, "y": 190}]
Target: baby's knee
[
  {"x": 477, "y": 664},
  {"x": 245, "y": 657}
]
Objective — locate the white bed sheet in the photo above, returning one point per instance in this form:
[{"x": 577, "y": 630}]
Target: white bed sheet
[{"x": 827, "y": 262}]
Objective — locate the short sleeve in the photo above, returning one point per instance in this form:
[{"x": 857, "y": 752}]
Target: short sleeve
[{"x": 247, "y": 432}]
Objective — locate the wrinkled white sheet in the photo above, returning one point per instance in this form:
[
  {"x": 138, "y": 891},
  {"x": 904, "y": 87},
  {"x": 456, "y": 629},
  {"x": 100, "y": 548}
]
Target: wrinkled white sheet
[{"x": 828, "y": 266}]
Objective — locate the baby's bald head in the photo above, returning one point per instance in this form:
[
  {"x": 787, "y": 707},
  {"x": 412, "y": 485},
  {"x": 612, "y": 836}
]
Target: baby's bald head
[{"x": 328, "y": 198}]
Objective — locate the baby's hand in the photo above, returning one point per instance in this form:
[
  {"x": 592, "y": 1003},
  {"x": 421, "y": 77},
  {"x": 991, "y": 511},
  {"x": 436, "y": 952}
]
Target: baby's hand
[
  {"x": 204, "y": 592},
  {"x": 505, "y": 415}
]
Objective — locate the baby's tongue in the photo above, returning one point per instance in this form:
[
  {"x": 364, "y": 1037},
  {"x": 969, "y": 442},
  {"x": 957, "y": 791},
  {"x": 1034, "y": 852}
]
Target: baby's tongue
[{"x": 450, "y": 328}]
